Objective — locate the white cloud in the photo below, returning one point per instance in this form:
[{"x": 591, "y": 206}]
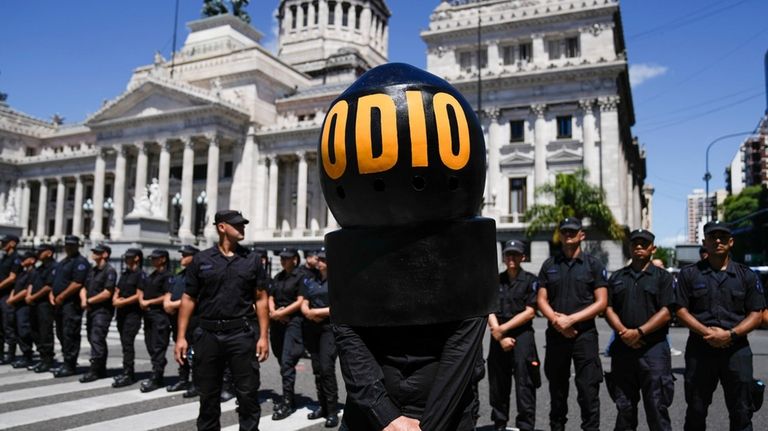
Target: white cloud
[
  {"x": 639, "y": 73},
  {"x": 271, "y": 42},
  {"x": 672, "y": 241}
]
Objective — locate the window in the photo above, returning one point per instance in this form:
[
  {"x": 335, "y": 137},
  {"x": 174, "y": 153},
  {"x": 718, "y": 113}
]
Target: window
[
  {"x": 227, "y": 170},
  {"x": 293, "y": 16},
  {"x": 465, "y": 60},
  {"x": 175, "y": 172},
  {"x": 345, "y": 14},
  {"x": 70, "y": 194},
  {"x": 199, "y": 172},
  {"x": 517, "y": 196},
  {"x": 572, "y": 47},
  {"x": 358, "y": 14},
  {"x": 564, "y": 127},
  {"x": 331, "y": 13},
  {"x": 508, "y": 54},
  {"x": 305, "y": 19},
  {"x": 468, "y": 59},
  {"x": 554, "y": 49},
  {"x": 516, "y": 131},
  {"x": 525, "y": 52},
  {"x": 568, "y": 47},
  {"x": 317, "y": 11},
  {"x": 30, "y": 151},
  {"x": 68, "y": 230},
  {"x": 88, "y": 191}
]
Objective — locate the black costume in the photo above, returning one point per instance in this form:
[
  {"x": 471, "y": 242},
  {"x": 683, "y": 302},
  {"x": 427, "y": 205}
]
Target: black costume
[
  {"x": 719, "y": 299},
  {"x": 41, "y": 314},
  {"x": 636, "y": 297},
  {"x": 157, "y": 324},
  {"x": 9, "y": 264},
  {"x": 69, "y": 315},
  {"x": 23, "y": 325},
  {"x": 570, "y": 285},
  {"x": 99, "y": 315},
  {"x": 129, "y": 322},
  {"x": 522, "y": 361},
  {"x": 224, "y": 289}
]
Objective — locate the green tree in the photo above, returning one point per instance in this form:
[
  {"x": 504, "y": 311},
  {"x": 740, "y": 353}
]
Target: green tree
[
  {"x": 742, "y": 204},
  {"x": 573, "y": 197},
  {"x": 665, "y": 254}
]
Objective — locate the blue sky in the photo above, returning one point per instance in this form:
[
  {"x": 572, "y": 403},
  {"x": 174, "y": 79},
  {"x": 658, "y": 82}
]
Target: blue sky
[{"x": 697, "y": 70}]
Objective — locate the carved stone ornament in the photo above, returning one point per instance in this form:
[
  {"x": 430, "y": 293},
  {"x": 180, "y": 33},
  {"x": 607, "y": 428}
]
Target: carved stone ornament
[
  {"x": 539, "y": 109},
  {"x": 608, "y": 103}
]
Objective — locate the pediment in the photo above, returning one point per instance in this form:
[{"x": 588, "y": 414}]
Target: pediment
[
  {"x": 564, "y": 155},
  {"x": 517, "y": 158}
]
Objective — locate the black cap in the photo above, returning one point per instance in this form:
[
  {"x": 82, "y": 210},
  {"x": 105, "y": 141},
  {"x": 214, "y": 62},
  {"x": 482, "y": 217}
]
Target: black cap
[
  {"x": 188, "y": 250},
  {"x": 289, "y": 252},
  {"x": 72, "y": 240},
  {"x": 102, "y": 248},
  {"x": 10, "y": 237},
  {"x": 262, "y": 252},
  {"x": 320, "y": 254},
  {"x": 570, "y": 223},
  {"x": 716, "y": 226},
  {"x": 230, "y": 217},
  {"x": 133, "y": 252},
  {"x": 28, "y": 254},
  {"x": 308, "y": 253},
  {"x": 43, "y": 247},
  {"x": 642, "y": 234},
  {"x": 159, "y": 253},
  {"x": 514, "y": 245}
]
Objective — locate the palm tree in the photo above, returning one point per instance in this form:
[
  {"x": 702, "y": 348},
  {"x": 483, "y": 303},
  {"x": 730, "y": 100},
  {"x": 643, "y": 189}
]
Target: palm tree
[{"x": 574, "y": 197}]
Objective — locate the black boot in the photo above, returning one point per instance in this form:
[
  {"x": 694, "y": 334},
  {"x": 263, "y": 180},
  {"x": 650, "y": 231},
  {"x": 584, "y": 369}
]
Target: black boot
[
  {"x": 7, "y": 359},
  {"x": 126, "y": 379},
  {"x": 23, "y": 362},
  {"x": 332, "y": 420},
  {"x": 67, "y": 369},
  {"x": 284, "y": 409},
  {"x": 43, "y": 366},
  {"x": 153, "y": 383},
  {"x": 191, "y": 392},
  {"x": 96, "y": 372},
  {"x": 181, "y": 385},
  {"x": 317, "y": 414}
]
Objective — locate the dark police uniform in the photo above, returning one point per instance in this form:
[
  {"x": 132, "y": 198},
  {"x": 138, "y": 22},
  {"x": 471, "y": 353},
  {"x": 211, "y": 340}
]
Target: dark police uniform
[
  {"x": 571, "y": 285},
  {"x": 176, "y": 289},
  {"x": 41, "y": 312},
  {"x": 522, "y": 361},
  {"x": 69, "y": 315},
  {"x": 636, "y": 297},
  {"x": 286, "y": 338},
  {"x": 718, "y": 299},
  {"x": 99, "y": 315},
  {"x": 9, "y": 264},
  {"x": 224, "y": 289},
  {"x": 157, "y": 324},
  {"x": 23, "y": 325},
  {"x": 319, "y": 340},
  {"x": 129, "y": 319}
]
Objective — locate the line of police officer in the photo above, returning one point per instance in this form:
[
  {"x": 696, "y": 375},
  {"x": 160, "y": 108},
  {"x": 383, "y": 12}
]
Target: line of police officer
[{"x": 719, "y": 300}]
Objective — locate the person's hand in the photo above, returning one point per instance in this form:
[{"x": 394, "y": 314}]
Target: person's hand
[
  {"x": 632, "y": 338},
  {"x": 58, "y": 300},
  {"x": 84, "y": 304},
  {"x": 402, "y": 423},
  {"x": 718, "y": 337},
  {"x": 180, "y": 351},
  {"x": 262, "y": 349},
  {"x": 497, "y": 333},
  {"x": 51, "y": 299},
  {"x": 508, "y": 343},
  {"x": 569, "y": 333},
  {"x": 143, "y": 305},
  {"x": 28, "y": 299},
  {"x": 562, "y": 322}
]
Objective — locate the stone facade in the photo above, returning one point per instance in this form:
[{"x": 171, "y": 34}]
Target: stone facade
[{"x": 227, "y": 124}]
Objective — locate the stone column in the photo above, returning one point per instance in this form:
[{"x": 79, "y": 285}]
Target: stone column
[
  {"x": 164, "y": 174},
  {"x": 540, "y": 145},
  {"x": 25, "y": 204},
  {"x": 261, "y": 199},
  {"x": 274, "y": 171},
  {"x": 212, "y": 186},
  {"x": 537, "y": 46},
  {"x": 119, "y": 194},
  {"x": 365, "y": 22},
  {"x": 299, "y": 17},
  {"x": 187, "y": 200},
  {"x": 42, "y": 209},
  {"x": 494, "y": 143},
  {"x": 77, "y": 210},
  {"x": 58, "y": 221},
  {"x": 301, "y": 194},
  {"x": 591, "y": 161},
  {"x": 493, "y": 56},
  {"x": 337, "y": 15},
  {"x": 141, "y": 175},
  {"x": 610, "y": 145},
  {"x": 98, "y": 197}
]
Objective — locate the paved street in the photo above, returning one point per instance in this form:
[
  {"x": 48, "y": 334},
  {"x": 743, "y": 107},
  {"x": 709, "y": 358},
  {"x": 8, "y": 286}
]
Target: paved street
[{"x": 39, "y": 402}]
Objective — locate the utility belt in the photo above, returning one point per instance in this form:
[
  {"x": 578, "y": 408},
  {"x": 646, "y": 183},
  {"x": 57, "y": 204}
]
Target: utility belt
[{"x": 225, "y": 325}]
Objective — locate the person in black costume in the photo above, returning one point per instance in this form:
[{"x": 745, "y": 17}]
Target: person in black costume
[
  {"x": 171, "y": 304},
  {"x": 285, "y": 329},
  {"x": 128, "y": 314},
  {"x": 10, "y": 267},
  {"x": 318, "y": 338},
  {"x": 225, "y": 284},
  {"x": 96, "y": 299},
  {"x": 157, "y": 324},
  {"x": 41, "y": 310},
  {"x": 512, "y": 347},
  {"x": 23, "y": 330}
]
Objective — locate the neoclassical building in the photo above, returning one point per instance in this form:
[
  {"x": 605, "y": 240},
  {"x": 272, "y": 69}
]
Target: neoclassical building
[{"x": 228, "y": 124}]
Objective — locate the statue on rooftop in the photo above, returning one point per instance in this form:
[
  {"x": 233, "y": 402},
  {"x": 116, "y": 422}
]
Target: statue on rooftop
[{"x": 213, "y": 8}]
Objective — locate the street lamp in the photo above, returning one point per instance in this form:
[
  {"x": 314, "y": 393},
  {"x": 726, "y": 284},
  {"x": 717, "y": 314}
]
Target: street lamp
[
  {"x": 176, "y": 203},
  {"x": 708, "y": 176},
  {"x": 88, "y": 210},
  {"x": 109, "y": 206},
  {"x": 202, "y": 203}
]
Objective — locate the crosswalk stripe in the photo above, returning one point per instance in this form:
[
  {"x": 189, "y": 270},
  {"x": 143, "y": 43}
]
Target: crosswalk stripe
[
  {"x": 12, "y": 376},
  {"x": 57, "y": 389},
  {"x": 79, "y": 406},
  {"x": 296, "y": 421}
]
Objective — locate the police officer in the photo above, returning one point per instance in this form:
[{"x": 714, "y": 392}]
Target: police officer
[
  {"x": 286, "y": 320},
  {"x": 572, "y": 292},
  {"x": 225, "y": 285},
  {"x": 10, "y": 266},
  {"x": 171, "y": 304},
  {"x": 639, "y": 310},
  {"x": 720, "y": 301},
  {"x": 157, "y": 324},
  {"x": 23, "y": 330},
  {"x": 310, "y": 264},
  {"x": 41, "y": 309},
  {"x": 70, "y": 276},
  {"x": 512, "y": 347},
  {"x": 318, "y": 338},
  {"x": 128, "y": 314},
  {"x": 96, "y": 299}
]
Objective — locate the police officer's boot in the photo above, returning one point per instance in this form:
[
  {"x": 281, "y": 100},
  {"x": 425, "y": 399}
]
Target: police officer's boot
[
  {"x": 23, "y": 362},
  {"x": 152, "y": 383},
  {"x": 321, "y": 411},
  {"x": 126, "y": 379},
  {"x": 191, "y": 392},
  {"x": 285, "y": 409},
  {"x": 67, "y": 369},
  {"x": 97, "y": 371},
  {"x": 43, "y": 366},
  {"x": 180, "y": 385},
  {"x": 7, "y": 359},
  {"x": 332, "y": 418}
]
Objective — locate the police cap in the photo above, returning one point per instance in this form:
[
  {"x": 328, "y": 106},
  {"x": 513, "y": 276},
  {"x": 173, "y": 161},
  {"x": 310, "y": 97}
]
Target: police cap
[
  {"x": 515, "y": 246},
  {"x": 72, "y": 240},
  {"x": 102, "y": 248},
  {"x": 10, "y": 237},
  {"x": 570, "y": 223},
  {"x": 133, "y": 252},
  {"x": 43, "y": 247},
  {"x": 28, "y": 254},
  {"x": 716, "y": 226},
  {"x": 229, "y": 217},
  {"x": 158, "y": 253},
  {"x": 289, "y": 252},
  {"x": 320, "y": 254},
  {"x": 642, "y": 234},
  {"x": 188, "y": 250}
]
